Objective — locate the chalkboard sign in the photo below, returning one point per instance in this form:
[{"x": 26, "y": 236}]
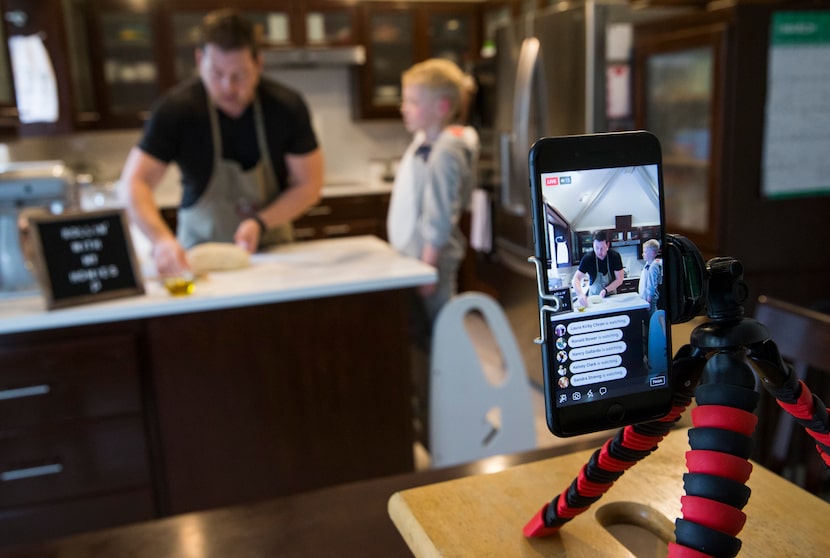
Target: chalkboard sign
[{"x": 84, "y": 257}]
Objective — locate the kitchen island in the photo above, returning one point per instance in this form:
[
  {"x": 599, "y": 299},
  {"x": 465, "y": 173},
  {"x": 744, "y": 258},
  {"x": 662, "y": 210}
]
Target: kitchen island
[{"x": 289, "y": 375}]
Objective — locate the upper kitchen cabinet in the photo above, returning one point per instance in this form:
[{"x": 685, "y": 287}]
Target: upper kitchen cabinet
[
  {"x": 284, "y": 28},
  {"x": 183, "y": 28},
  {"x": 328, "y": 23},
  {"x": 397, "y": 35},
  {"x": 100, "y": 62},
  {"x": 735, "y": 94},
  {"x": 113, "y": 58},
  {"x": 37, "y": 27},
  {"x": 124, "y": 50}
]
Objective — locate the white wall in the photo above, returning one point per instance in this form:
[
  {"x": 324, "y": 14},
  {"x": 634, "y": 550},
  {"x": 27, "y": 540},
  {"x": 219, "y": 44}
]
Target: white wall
[{"x": 348, "y": 145}]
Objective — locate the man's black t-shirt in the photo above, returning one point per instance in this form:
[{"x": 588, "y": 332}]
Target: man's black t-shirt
[
  {"x": 589, "y": 263},
  {"x": 179, "y": 131}
]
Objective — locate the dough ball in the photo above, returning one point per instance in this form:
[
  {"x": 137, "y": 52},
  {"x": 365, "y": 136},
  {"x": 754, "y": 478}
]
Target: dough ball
[{"x": 217, "y": 256}]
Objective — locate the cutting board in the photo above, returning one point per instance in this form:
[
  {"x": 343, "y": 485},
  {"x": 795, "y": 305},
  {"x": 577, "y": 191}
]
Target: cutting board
[{"x": 483, "y": 515}]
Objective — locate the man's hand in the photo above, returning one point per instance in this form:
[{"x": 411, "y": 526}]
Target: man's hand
[
  {"x": 247, "y": 235},
  {"x": 170, "y": 257}
]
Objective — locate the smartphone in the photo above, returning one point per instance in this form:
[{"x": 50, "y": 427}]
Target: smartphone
[{"x": 598, "y": 231}]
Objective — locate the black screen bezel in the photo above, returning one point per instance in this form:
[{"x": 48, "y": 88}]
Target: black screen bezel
[{"x": 585, "y": 152}]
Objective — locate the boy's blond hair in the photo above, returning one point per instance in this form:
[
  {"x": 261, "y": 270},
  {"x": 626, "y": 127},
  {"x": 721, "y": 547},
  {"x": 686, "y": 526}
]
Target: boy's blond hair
[
  {"x": 444, "y": 78},
  {"x": 652, "y": 243}
]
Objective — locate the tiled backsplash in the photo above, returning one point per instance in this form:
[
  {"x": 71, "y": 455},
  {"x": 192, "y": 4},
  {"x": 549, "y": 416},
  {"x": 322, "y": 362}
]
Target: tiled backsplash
[{"x": 349, "y": 146}]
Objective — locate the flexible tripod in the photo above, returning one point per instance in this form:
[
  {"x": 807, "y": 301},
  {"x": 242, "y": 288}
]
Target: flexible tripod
[{"x": 718, "y": 368}]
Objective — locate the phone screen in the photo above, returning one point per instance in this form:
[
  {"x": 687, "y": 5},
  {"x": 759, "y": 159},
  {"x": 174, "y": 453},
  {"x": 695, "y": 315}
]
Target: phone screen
[{"x": 599, "y": 233}]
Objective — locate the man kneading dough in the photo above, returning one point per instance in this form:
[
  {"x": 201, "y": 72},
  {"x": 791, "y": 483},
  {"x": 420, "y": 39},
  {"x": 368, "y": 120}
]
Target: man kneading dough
[{"x": 217, "y": 256}]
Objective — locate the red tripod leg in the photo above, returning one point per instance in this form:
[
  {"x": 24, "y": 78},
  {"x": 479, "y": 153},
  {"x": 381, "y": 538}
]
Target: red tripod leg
[{"x": 718, "y": 462}]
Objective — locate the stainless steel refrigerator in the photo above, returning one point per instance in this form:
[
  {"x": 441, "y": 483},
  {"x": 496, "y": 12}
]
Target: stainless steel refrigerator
[{"x": 565, "y": 70}]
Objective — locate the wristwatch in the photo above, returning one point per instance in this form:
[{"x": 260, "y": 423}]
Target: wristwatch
[{"x": 260, "y": 222}]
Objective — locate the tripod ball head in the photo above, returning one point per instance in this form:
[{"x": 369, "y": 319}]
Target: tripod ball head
[{"x": 727, "y": 289}]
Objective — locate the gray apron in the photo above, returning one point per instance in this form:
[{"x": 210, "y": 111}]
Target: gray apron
[
  {"x": 601, "y": 281},
  {"x": 232, "y": 194}
]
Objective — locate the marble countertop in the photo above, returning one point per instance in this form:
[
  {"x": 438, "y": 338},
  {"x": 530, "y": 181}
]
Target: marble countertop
[
  {"x": 297, "y": 271},
  {"x": 608, "y": 305}
]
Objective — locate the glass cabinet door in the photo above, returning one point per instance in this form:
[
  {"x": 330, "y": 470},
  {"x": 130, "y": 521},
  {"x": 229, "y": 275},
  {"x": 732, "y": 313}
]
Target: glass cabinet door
[
  {"x": 679, "y": 99},
  {"x": 392, "y": 51},
  {"x": 329, "y": 27},
  {"x": 274, "y": 26},
  {"x": 451, "y": 37},
  {"x": 679, "y": 91},
  {"x": 129, "y": 61},
  {"x": 87, "y": 110},
  {"x": 396, "y": 36}
]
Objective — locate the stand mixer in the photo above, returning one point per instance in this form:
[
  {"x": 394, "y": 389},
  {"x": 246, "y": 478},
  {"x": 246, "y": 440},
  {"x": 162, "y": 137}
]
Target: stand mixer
[{"x": 36, "y": 186}]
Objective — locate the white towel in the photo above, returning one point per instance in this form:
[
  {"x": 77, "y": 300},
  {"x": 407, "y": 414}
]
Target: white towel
[
  {"x": 35, "y": 86},
  {"x": 481, "y": 235}
]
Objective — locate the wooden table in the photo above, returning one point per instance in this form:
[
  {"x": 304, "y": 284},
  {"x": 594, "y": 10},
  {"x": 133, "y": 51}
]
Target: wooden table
[
  {"x": 484, "y": 515},
  {"x": 346, "y": 520}
]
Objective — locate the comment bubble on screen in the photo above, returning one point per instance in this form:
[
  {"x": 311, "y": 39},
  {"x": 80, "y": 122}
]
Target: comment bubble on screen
[
  {"x": 596, "y": 338},
  {"x": 600, "y": 376},
  {"x": 598, "y": 324},
  {"x": 591, "y": 364},
  {"x": 595, "y": 351}
]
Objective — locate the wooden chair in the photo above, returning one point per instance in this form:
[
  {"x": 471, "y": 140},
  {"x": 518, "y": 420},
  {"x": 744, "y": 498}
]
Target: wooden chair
[{"x": 803, "y": 338}]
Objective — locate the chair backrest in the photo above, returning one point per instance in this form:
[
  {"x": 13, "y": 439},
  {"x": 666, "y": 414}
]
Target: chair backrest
[
  {"x": 473, "y": 412},
  {"x": 801, "y": 334},
  {"x": 803, "y": 338}
]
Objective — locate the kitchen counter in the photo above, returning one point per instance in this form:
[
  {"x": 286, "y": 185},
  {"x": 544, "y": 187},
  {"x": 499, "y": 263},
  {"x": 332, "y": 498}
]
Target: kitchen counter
[
  {"x": 290, "y": 375},
  {"x": 610, "y": 304},
  {"x": 302, "y": 270}
]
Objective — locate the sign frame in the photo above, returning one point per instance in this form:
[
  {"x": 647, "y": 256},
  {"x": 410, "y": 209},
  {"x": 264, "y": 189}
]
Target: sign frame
[{"x": 46, "y": 258}]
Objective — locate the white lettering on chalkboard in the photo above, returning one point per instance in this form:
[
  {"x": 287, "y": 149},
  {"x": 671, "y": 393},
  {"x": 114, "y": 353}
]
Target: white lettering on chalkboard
[
  {"x": 93, "y": 274},
  {"x": 86, "y": 241},
  {"x": 87, "y": 245},
  {"x": 85, "y": 231}
]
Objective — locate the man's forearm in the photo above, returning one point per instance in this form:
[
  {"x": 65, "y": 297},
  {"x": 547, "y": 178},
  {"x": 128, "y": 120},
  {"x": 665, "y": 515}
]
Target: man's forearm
[
  {"x": 143, "y": 211},
  {"x": 307, "y": 171}
]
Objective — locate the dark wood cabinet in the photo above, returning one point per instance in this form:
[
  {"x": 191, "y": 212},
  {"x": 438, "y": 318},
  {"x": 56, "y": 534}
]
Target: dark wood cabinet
[
  {"x": 113, "y": 58},
  {"x": 8, "y": 109},
  {"x": 344, "y": 216},
  {"x": 276, "y": 399},
  {"x": 125, "y": 50},
  {"x": 399, "y": 34},
  {"x": 43, "y": 19},
  {"x": 682, "y": 102},
  {"x": 333, "y": 216},
  {"x": 72, "y": 433},
  {"x": 121, "y": 422},
  {"x": 702, "y": 87}
]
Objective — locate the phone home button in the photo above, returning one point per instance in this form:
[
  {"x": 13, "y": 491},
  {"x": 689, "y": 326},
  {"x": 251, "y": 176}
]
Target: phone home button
[{"x": 615, "y": 412}]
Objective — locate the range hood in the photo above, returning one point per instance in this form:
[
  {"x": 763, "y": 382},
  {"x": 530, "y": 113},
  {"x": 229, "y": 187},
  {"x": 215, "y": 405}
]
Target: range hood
[{"x": 354, "y": 55}]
